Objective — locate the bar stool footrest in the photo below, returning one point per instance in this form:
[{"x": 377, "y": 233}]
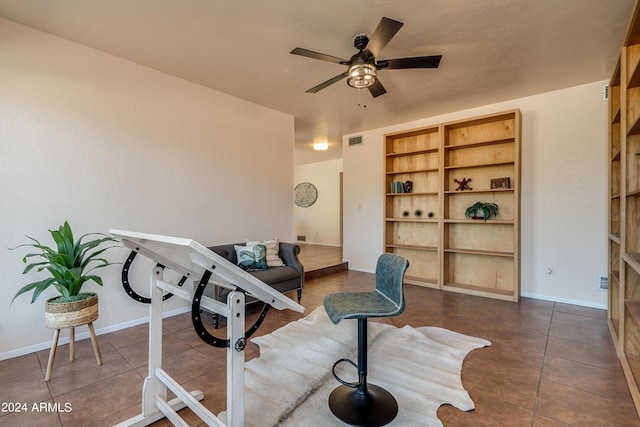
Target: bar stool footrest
[{"x": 348, "y": 384}]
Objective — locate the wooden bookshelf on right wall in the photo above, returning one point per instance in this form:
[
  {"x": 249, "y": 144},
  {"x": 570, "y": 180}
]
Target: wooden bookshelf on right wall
[{"x": 624, "y": 207}]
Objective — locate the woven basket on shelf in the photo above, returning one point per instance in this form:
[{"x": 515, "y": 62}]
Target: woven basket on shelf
[{"x": 60, "y": 315}]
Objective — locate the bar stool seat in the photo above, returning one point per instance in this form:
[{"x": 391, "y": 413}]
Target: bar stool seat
[{"x": 360, "y": 403}]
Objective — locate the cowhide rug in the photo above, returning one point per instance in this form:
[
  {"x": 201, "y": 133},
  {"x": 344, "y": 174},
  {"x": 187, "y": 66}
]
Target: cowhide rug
[{"x": 289, "y": 384}]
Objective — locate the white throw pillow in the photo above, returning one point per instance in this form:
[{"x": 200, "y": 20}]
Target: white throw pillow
[{"x": 273, "y": 247}]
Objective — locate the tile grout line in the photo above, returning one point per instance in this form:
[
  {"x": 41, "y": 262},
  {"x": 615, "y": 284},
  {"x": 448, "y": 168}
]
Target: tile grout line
[{"x": 544, "y": 358}]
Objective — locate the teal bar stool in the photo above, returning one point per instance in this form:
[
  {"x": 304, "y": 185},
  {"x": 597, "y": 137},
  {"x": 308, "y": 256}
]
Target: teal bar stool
[{"x": 363, "y": 404}]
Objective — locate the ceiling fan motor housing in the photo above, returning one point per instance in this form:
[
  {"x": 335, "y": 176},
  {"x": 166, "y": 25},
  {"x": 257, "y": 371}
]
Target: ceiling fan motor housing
[{"x": 360, "y": 41}]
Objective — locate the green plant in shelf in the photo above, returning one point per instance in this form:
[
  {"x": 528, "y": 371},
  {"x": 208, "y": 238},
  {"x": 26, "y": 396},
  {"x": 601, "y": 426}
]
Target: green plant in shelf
[{"x": 481, "y": 210}]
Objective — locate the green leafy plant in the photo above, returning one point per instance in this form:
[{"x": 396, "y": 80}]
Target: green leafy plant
[
  {"x": 69, "y": 264},
  {"x": 482, "y": 210}
]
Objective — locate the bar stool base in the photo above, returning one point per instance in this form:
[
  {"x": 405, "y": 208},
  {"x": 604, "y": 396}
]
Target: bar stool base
[{"x": 375, "y": 407}]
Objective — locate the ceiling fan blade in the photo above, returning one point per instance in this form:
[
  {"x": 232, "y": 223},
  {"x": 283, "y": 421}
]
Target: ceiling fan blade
[
  {"x": 328, "y": 83},
  {"x": 317, "y": 55},
  {"x": 432, "y": 61},
  {"x": 377, "y": 89},
  {"x": 386, "y": 29}
]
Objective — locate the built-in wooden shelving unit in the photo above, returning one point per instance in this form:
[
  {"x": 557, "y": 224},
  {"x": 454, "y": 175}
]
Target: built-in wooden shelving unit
[
  {"x": 624, "y": 207},
  {"x": 428, "y": 226}
]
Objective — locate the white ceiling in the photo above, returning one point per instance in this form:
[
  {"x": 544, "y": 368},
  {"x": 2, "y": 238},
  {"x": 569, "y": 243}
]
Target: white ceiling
[{"x": 493, "y": 50}]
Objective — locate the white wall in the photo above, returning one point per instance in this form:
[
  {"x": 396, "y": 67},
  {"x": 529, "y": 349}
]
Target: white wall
[
  {"x": 320, "y": 222},
  {"x": 564, "y": 192},
  {"x": 105, "y": 143}
]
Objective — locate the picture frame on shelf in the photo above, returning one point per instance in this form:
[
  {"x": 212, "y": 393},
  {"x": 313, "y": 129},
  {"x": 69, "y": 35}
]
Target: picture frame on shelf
[{"x": 498, "y": 183}]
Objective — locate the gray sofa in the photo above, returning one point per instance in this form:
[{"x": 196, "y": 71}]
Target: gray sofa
[{"x": 287, "y": 278}]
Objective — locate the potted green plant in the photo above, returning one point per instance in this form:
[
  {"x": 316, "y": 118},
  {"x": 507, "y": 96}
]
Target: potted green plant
[
  {"x": 70, "y": 265},
  {"x": 481, "y": 210}
]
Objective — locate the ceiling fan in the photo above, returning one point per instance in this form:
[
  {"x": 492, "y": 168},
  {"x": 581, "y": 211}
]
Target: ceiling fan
[{"x": 363, "y": 67}]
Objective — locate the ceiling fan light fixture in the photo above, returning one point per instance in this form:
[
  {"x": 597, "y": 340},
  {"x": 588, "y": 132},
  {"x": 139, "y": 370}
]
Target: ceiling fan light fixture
[{"x": 362, "y": 75}]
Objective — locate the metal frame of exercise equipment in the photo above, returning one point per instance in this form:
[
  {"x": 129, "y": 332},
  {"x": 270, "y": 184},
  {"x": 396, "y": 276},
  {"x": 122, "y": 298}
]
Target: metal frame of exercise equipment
[{"x": 202, "y": 266}]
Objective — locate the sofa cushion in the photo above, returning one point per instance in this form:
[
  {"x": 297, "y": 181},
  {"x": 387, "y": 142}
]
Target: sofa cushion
[{"x": 273, "y": 247}]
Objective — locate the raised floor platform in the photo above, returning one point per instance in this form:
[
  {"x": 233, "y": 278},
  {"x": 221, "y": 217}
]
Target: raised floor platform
[{"x": 321, "y": 260}]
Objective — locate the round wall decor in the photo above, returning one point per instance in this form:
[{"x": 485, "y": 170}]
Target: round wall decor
[{"x": 305, "y": 194}]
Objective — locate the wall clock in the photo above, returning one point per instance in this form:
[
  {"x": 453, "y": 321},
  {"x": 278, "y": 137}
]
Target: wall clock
[{"x": 305, "y": 194}]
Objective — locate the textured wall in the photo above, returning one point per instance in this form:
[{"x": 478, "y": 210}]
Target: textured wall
[{"x": 105, "y": 143}]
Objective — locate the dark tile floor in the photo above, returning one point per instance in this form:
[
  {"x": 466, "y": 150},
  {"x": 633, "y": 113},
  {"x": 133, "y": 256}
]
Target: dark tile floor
[{"x": 549, "y": 364}]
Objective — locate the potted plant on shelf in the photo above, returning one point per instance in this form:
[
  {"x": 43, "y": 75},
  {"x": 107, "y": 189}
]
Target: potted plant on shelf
[
  {"x": 70, "y": 265},
  {"x": 481, "y": 210}
]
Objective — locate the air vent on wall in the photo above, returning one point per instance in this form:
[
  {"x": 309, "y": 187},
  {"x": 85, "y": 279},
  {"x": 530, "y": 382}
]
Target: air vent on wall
[
  {"x": 355, "y": 140},
  {"x": 603, "y": 283}
]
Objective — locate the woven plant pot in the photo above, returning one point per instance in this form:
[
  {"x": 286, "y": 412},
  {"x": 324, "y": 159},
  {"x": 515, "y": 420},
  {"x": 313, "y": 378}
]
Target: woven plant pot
[{"x": 60, "y": 315}]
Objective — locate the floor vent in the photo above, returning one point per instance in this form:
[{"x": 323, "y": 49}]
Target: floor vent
[
  {"x": 301, "y": 238},
  {"x": 355, "y": 140}
]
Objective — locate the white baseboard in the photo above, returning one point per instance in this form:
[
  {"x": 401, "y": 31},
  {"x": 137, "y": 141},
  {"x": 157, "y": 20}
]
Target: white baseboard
[
  {"x": 531, "y": 295},
  {"x": 361, "y": 270},
  {"x": 85, "y": 335},
  {"x": 333, "y": 245},
  {"x": 564, "y": 300}
]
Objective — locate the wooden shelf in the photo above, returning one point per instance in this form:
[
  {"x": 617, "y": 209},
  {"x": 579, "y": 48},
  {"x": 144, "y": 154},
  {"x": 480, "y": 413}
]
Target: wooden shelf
[
  {"x": 615, "y": 237},
  {"x": 616, "y": 116},
  {"x": 421, "y": 281},
  {"x": 424, "y": 193},
  {"x": 615, "y": 275},
  {"x": 633, "y": 259},
  {"x": 412, "y": 219},
  {"x": 492, "y": 190},
  {"x": 407, "y": 171},
  {"x": 479, "y": 144},
  {"x": 633, "y": 193},
  {"x": 413, "y": 153},
  {"x": 479, "y": 165},
  {"x": 478, "y": 221},
  {"x": 632, "y": 369},
  {"x": 634, "y": 78},
  {"x": 411, "y": 247},
  {"x": 634, "y": 129},
  {"x": 634, "y": 309},
  {"x": 616, "y": 156},
  {"x": 479, "y": 290},
  {"x": 479, "y": 252}
]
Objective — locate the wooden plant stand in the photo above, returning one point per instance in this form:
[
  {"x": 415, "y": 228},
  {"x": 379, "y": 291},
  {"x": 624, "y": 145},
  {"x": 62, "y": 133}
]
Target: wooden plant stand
[{"x": 69, "y": 315}]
